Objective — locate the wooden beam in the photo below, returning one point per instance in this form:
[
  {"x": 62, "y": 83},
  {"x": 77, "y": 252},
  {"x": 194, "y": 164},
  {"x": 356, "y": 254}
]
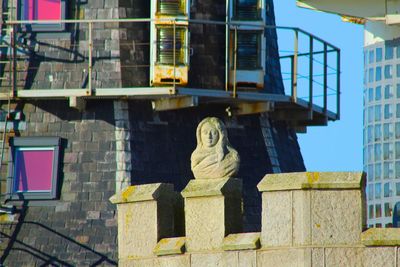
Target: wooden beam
[
  {"x": 253, "y": 108},
  {"x": 77, "y": 102},
  {"x": 173, "y": 103}
]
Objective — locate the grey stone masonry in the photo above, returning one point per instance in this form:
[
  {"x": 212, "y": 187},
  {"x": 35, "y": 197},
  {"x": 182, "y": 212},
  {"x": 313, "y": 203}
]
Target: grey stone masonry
[{"x": 80, "y": 227}]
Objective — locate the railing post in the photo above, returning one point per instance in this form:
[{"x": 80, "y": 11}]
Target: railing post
[
  {"x": 90, "y": 52},
  {"x": 13, "y": 55},
  {"x": 325, "y": 79},
  {"x": 235, "y": 62},
  {"x": 311, "y": 81},
  {"x": 294, "y": 65},
  {"x": 338, "y": 86},
  {"x": 174, "y": 55}
]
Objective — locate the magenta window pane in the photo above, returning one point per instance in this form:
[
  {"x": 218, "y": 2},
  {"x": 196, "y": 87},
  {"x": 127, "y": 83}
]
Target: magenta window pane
[
  {"x": 33, "y": 170},
  {"x": 42, "y": 9}
]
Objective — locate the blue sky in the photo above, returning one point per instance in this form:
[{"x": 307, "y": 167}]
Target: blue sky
[{"x": 338, "y": 146}]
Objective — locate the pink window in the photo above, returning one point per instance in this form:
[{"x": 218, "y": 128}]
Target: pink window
[
  {"x": 33, "y": 170},
  {"x": 42, "y": 10}
]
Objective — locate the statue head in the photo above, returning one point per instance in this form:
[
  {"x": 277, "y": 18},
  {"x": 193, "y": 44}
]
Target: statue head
[
  {"x": 211, "y": 132},
  {"x": 213, "y": 157}
]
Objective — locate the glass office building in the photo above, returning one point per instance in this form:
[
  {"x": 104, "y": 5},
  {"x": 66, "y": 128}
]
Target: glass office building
[{"x": 382, "y": 130}]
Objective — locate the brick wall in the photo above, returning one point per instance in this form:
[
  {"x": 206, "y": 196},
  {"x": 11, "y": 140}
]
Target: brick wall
[{"x": 80, "y": 227}]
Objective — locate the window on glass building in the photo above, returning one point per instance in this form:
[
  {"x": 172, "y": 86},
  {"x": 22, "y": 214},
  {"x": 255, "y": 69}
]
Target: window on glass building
[
  {"x": 388, "y": 71},
  {"x": 387, "y": 192},
  {"x": 371, "y": 75},
  {"x": 370, "y": 95},
  {"x": 370, "y": 154},
  {"x": 378, "y": 74},
  {"x": 387, "y": 131},
  {"x": 378, "y": 132},
  {"x": 387, "y": 170},
  {"x": 371, "y": 211},
  {"x": 378, "y": 113},
  {"x": 388, "y": 52},
  {"x": 370, "y": 114},
  {"x": 397, "y": 167},
  {"x": 377, "y": 190},
  {"x": 378, "y": 93},
  {"x": 379, "y": 54},
  {"x": 378, "y": 152},
  {"x": 398, "y": 70},
  {"x": 370, "y": 192},
  {"x": 397, "y": 150},
  {"x": 388, "y": 111},
  {"x": 378, "y": 171},
  {"x": 378, "y": 210},
  {"x": 397, "y": 110},
  {"x": 397, "y": 189},
  {"x": 388, "y": 91},
  {"x": 387, "y": 151},
  {"x": 371, "y": 56},
  {"x": 370, "y": 134},
  {"x": 388, "y": 210}
]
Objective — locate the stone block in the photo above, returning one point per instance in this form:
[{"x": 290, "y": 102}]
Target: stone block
[
  {"x": 311, "y": 180},
  {"x": 242, "y": 241},
  {"x": 247, "y": 259},
  {"x": 212, "y": 211},
  {"x": 346, "y": 256},
  {"x": 381, "y": 237},
  {"x": 145, "y": 215},
  {"x": 224, "y": 259},
  {"x": 173, "y": 261},
  {"x": 170, "y": 246},
  {"x": 285, "y": 258},
  {"x": 379, "y": 257},
  {"x": 276, "y": 221},
  {"x": 336, "y": 217},
  {"x": 297, "y": 212},
  {"x": 317, "y": 257}
]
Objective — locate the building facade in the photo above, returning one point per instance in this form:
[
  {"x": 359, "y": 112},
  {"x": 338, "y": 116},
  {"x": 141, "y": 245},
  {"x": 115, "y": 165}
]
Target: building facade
[
  {"x": 83, "y": 101},
  {"x": 381, "y": 101}
]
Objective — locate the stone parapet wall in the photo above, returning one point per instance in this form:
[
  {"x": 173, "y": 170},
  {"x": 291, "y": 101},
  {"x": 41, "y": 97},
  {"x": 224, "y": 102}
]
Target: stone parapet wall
[{"x": 308, "y": 219}]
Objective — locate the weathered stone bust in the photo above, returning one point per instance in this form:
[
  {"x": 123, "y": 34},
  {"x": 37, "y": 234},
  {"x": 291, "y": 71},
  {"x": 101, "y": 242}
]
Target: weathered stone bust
[{"x": 214, "y": 157}]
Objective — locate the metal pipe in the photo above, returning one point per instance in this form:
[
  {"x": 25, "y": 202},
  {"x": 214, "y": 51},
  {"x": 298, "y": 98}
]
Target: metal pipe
[
  {"x": 13, "y": 53},
  {"x": 227, "y": 20},
  {"x": 307, "y": 54},
  {"x": 338, "y": 86},
  {"x": 325, "y": 80},
  {"x": 311, "y": 67},
  {"x": 235, "y": 64},
  {"x": 174, "y": 55},
  {"x": 294, "y": 66},
  {"x": 210, "y": 22},
  {"x": 90, "y": 67}
]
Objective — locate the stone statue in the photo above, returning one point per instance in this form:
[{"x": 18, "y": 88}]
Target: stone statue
[{"x": 214, "y": 157}]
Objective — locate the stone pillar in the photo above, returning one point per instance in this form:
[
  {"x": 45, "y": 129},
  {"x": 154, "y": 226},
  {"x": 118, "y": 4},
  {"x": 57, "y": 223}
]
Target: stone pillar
[
  {"x": 314, "y": 209},
  {"x": 145, "y": 215},
  {"x": 213, "y": 209}
]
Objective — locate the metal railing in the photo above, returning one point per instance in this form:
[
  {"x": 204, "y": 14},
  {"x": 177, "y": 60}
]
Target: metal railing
[{"x": 302, "y": 46}]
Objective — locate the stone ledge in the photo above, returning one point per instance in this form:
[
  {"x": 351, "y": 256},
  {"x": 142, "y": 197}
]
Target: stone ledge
[
  {"x": 311, "y": 180},
  {"x": 212, "y": 187},
  {"x": 170, "y": 246},
  {"x": 242, "y": 241},
  {"x": 145, "y": 192},
  {"x": 381, "y": 237}
]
